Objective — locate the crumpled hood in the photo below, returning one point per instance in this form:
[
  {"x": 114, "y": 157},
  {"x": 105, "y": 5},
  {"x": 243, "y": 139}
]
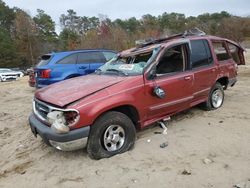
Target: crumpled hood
[{"x": 68, "y": 91}]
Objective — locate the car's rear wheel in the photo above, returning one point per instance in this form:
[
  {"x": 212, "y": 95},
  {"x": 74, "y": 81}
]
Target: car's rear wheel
[
  {"x": 215, "y": 98},
  {"x": 111, "y": 134}
]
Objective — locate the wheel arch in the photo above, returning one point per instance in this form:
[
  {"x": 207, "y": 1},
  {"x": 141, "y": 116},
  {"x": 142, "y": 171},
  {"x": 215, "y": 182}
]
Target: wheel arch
[
  {"x": 127, "y": 109},
  {"x": 224, "y": 81},
  {"x": 72, "y": 76}
]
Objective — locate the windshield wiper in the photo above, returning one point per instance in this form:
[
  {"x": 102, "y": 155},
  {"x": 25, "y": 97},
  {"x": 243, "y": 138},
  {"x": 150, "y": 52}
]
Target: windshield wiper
[{"x": 118, "y": 71}]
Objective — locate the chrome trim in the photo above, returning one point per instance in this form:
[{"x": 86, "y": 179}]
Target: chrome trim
[
  {"x": 51, "y": 108},
  {"x": 201, "y": 91},
  {"x": 71, "y": 145},
  {"x": 164, "y": 105}
]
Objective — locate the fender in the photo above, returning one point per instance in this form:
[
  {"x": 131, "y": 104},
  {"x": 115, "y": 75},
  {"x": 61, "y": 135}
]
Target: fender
[{"x": 90, "y": 112}]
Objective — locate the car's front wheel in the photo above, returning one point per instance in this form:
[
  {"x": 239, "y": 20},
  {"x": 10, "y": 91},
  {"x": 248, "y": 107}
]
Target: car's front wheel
[
  {"x": 111, "y": 134},
  {"x": 215, "y": 98}
]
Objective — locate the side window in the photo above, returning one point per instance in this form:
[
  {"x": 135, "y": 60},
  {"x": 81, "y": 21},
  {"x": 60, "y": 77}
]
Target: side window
[
  {"x": 91, "y": 57},
  {"x": 200, "y": 53},
  {"x": 234, "y": 52},
  {"x": 71, "y": 59},
  {"x": 108, "y": 55},
  {"x": 221, "y": 51},
  {"x": 173, "y": 60}
]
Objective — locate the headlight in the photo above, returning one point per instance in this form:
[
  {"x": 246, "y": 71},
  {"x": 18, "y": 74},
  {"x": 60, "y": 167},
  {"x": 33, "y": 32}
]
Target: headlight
[
  {"x": 62, "y": 120},
  {"x": 71, "y": 117}
]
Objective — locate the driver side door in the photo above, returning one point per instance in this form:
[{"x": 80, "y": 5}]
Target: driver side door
[{"x": 174, "y": 79}]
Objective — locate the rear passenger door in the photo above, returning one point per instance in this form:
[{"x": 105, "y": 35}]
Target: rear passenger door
[
  {"x": 204, "y": 69},
  {"x": 225, "y": 62},
  {"x": 88, "y": 62}
]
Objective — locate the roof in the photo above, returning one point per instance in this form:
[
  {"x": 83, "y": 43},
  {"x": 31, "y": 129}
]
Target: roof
[
  {"x": 148, "y": 46},
  {"x": 80, "y": 50}
]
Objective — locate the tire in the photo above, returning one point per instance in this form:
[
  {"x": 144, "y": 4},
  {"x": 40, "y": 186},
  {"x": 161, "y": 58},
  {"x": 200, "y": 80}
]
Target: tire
[
  {"x": 119, "y": 131},
  {"x": 211, "y": 104}
]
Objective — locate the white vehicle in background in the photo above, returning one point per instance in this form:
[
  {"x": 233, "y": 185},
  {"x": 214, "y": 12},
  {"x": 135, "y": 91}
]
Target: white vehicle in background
[{"x": 8, "y": 74}]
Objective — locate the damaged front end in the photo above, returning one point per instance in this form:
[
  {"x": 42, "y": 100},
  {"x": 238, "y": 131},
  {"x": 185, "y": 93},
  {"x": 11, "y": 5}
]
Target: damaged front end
[
  {"x": 54, "y": 126},
  {"x": 59, "y": 119}
]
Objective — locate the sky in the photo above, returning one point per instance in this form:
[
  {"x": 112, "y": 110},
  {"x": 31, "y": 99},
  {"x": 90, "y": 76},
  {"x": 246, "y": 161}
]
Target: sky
[{"x": 131, "y": 8}]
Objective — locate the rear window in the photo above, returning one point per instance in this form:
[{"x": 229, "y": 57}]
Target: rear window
[
  {"x": 201, "y": 54},
  {"x": 221, "y": 51},
  {"x": 91, "y": 57},
  {"x": 44, "y": 60}
]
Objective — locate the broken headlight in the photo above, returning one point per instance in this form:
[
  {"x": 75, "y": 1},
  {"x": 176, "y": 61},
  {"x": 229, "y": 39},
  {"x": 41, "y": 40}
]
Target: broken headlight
[{"x": 61, "y": 120}]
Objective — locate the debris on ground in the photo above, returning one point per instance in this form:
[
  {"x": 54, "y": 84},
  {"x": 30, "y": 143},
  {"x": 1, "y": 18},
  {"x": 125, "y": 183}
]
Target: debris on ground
[
  {"x": 134, "y": 180},
  {"x": 243, "y": 184},
  {"x": 186, "y": 172},
  {"x": 207, "y": 161},
  {"x": 220, "y": 121},
  {"x": 157, "y": 132},
  {"x": 164, "y": 127},
  {"x": 164, "y": 144}
]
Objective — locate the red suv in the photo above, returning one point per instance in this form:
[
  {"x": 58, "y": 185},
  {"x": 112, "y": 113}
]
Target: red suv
[{"x": 135, "y": 89}]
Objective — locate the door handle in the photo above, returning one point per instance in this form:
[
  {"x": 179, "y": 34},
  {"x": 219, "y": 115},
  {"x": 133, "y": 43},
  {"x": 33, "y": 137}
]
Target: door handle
[
  {"x": 187, "y": 78},
  {"x": 82, "y": 67}
]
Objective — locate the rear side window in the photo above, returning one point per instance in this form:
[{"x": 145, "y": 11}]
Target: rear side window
[
  {"x": 71, "y": 59},
  {"x": 201, "y": 54},
  {"x": 91, "y": 57},
  {"x": 221, "y": 51},
  {"x": 108, "y": 55},
  {"x": 234, "y": 50},
  {"x": 44, "y": 60}
]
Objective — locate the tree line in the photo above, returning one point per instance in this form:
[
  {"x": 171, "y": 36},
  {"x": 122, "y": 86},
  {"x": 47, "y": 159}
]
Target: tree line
[{"x": 24, "y": 38}]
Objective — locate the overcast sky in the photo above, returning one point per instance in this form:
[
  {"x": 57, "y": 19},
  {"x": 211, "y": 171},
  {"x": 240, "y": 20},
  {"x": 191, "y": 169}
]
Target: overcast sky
[{"x": 131, "y": 8}]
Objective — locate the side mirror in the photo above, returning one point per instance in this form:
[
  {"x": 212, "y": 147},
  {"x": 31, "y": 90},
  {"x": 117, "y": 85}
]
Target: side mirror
[
  {"x": 152, "y": 74},
  {"x": 159, "y": 92}
]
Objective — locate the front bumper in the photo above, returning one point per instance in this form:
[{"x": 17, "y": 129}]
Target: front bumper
[
  {"x": 8, "y": 78},
  {"x": 73, "y": 140}
]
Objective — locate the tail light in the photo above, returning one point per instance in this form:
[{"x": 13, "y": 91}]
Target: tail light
[{"x": 45, "y": 73}]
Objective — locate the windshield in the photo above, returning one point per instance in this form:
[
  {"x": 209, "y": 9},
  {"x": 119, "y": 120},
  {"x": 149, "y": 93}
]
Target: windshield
[{"x": 129, "y": 65}]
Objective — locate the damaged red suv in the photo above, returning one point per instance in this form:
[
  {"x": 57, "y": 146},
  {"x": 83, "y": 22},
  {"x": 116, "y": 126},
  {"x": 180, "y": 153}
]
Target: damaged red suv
[{"x": 137, "y": 88}]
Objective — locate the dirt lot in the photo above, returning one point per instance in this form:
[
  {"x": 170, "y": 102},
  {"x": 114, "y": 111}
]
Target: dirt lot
[{"x": 205, "y": 149}]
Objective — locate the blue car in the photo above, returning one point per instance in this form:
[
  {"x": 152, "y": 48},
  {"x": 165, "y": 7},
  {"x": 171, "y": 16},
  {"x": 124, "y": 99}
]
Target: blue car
[{"x": 60, "y": 66}]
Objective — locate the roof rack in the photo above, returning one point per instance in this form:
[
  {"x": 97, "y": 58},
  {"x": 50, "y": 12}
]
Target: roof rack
[{"x": 191, "y": 32}]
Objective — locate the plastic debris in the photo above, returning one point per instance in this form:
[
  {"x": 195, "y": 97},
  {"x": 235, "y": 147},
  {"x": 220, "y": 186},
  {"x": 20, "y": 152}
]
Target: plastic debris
[
  {"x": 186, "y": 172},
  {"x": 164, "y": 144},
  {"x": 207, "y": 161},
  {"x": 164, "y": 127}
]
